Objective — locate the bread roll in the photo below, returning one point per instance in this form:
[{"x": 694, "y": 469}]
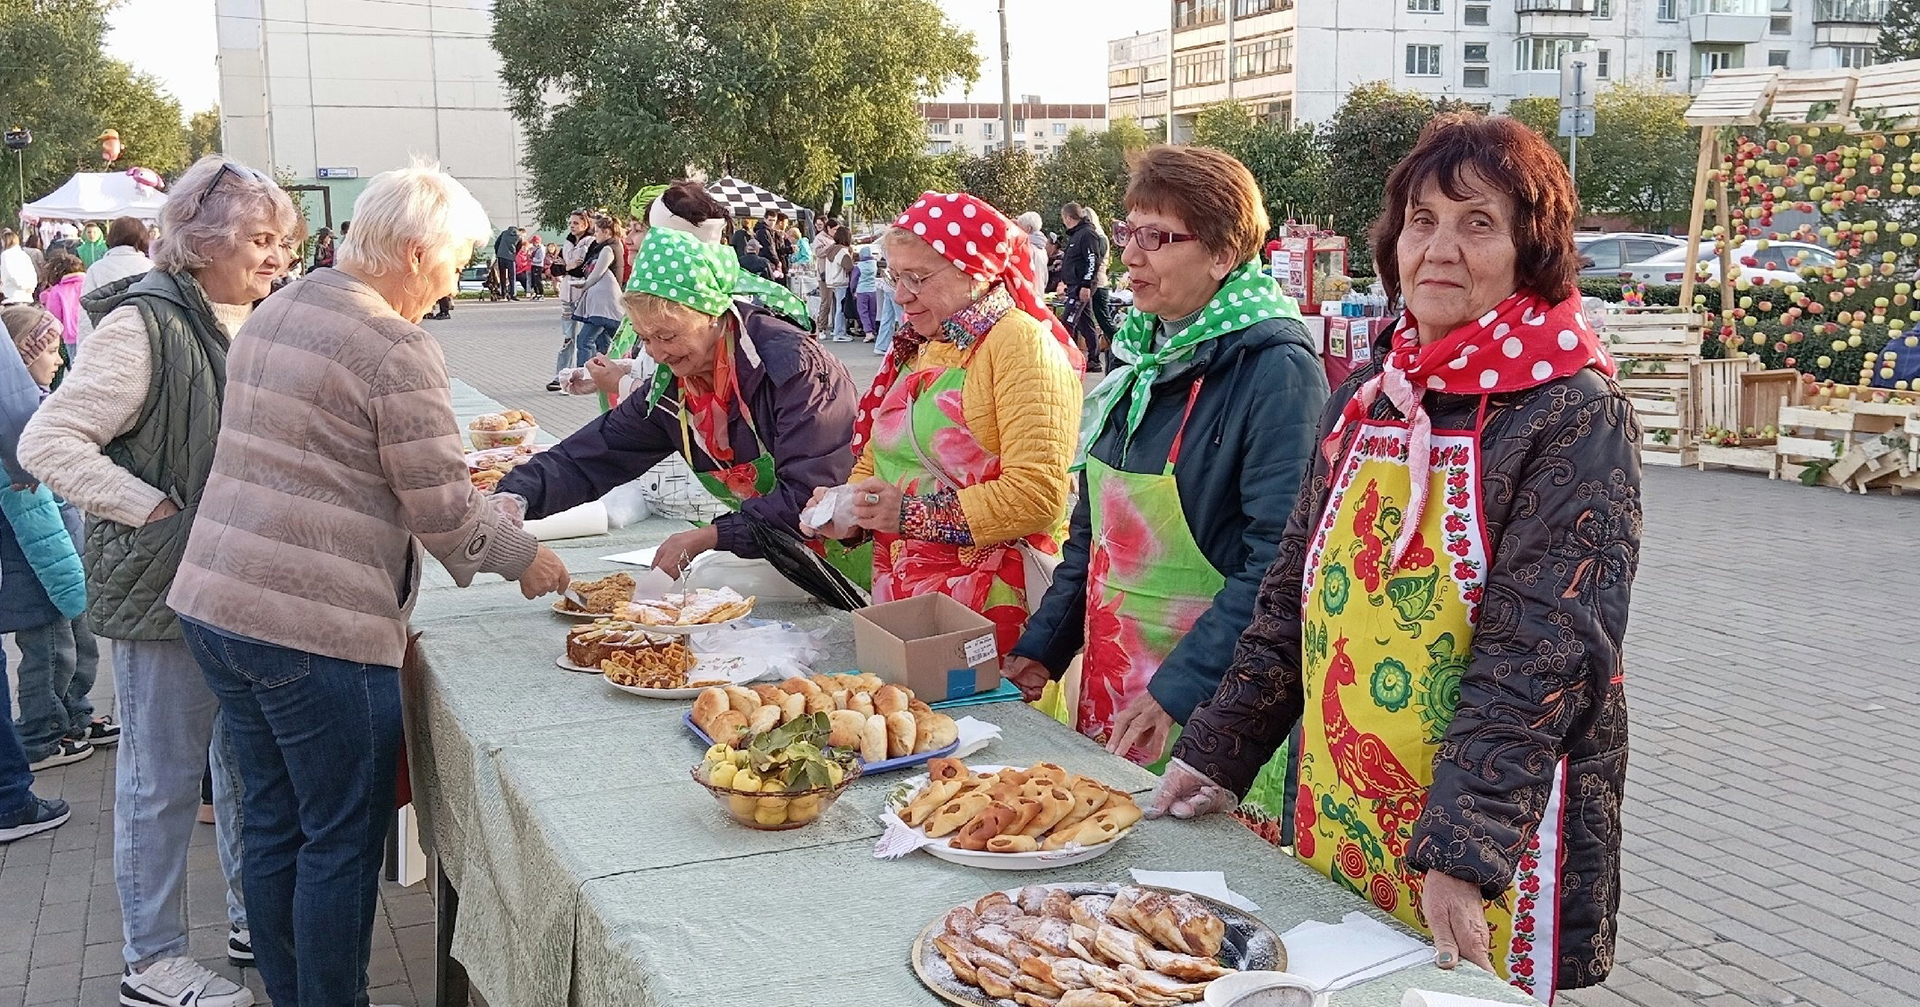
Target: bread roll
[
  {"x": 846, "y": 728},
  {"x": 727, "y": 725},
  {"x": 742, "y": 700},
  {"x": 793, "y": 706},
  {"x": 709, "y": 704},
  {"x": 873, "y": 740},
  {"x": 861, "y": 703},
  {"x": 918, "y": 706},
  {"x": 764, "y": 719},
  {"x": 768, "y": 693},
  {"x": 839, "y": 697},
  {"x": 819, "y": 702},
  {"x": 955, "y": 813},
  {"x": 799, "y": 685},
  {"x": 890, "y": 699},
  {"x": 992, "y": 821},
  {"x": 1012, "y": 844},
  {"x": 870, "y": 681},
  {"x": 900, "y": 733},
  {"x": 1056, "y": 804},
  {"x": 933, "y": 732}
]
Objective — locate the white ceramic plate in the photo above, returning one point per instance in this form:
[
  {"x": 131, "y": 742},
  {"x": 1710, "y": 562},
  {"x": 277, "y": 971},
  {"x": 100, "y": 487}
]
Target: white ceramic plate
[
  {"x": 714, "y": 668},
  {"x": 899, "y": 794},
  {"x": 1227, "y": 991}
]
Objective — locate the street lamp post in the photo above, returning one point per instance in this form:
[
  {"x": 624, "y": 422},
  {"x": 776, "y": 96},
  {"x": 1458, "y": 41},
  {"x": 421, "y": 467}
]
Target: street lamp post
[
  {"x": 1006, "y": 81},
  {"x": 16, "y": 140}
]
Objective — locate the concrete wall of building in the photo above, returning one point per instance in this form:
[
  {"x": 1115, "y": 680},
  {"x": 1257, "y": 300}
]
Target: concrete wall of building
[{"x": 371, "y": 86}]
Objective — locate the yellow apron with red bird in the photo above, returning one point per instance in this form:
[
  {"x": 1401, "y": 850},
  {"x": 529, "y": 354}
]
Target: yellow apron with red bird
[{"x": 1383, "y": 653}]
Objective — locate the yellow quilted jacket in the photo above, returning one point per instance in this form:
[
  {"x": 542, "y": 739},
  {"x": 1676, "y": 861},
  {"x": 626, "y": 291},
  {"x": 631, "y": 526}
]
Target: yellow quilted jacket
[{"x": 1022, "y": 401}]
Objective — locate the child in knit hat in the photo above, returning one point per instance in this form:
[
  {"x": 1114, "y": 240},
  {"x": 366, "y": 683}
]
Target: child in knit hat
[{"x": 46, "y": 588}]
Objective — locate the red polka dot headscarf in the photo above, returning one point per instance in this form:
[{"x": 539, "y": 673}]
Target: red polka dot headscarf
[{"x": 985, "y": 245}]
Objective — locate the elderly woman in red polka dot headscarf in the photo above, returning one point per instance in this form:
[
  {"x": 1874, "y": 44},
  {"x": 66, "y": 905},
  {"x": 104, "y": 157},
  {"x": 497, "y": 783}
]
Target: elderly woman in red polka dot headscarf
[
  {"x": 1445, "y": 617},
  {"x": 964, "y": 440}
]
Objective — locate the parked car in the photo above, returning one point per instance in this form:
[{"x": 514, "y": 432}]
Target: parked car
[
  {"x": 473, "y": 278},
  {"x": 1779, "y": 263},
  {"x": 1604, "y": 255}
]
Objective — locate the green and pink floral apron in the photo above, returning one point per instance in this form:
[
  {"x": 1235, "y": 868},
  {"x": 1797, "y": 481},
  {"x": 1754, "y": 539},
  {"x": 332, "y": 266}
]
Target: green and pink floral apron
[
  {"x": 1148, "y": 582},
  {"x": 736, "y": 484},
  {"x": 1384, "y": 649},
  {"x": 926, "y": 412}
]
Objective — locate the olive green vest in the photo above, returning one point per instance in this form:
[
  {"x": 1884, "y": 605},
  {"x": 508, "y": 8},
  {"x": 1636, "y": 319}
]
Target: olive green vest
[{"x": 130, "y": 570}]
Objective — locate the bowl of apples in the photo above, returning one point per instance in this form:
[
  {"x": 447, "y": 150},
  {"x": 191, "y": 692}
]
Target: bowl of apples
[{"x": 785, "y": 778}]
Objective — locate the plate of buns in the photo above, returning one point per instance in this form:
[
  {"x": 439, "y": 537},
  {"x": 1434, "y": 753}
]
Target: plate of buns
[
  {"x": 1089, "y": 945},
  {"x": 886, "y": 725},
  {"x": 1013, "y": 819}
]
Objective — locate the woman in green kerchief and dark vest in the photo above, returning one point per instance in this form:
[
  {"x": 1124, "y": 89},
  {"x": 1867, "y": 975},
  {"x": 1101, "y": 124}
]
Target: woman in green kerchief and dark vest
[
  {"x": 737, "y": 386},
  {"x": 1192, "y": 451}
]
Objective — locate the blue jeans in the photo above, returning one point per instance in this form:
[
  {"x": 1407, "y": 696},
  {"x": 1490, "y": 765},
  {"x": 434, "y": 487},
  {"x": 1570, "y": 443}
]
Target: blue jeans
[
  {"x": 595, "y": 336},
  {"x": 58, "y": 664},
  {"x": 168, "y": 736},
  {"x": 569, "y": 332},
  {"x": 318, "y": 740},
  {"x": 16, "y": 780},
  {"x": 889, "y": 321}
]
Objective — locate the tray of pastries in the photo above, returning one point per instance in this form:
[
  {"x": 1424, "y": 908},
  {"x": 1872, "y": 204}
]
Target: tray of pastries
[
  {"x": 1090, "y": 945},
  {"x": 1013, "y": 819},
  {"x": 634, "y": 659},
  {"x": 609, "y": 596},
  {"x": 886, "y": 725}
]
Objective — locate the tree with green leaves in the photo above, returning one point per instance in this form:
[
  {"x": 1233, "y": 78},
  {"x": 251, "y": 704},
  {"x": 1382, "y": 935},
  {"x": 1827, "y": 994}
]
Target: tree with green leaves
[
  {"x": 1639, "y": 162},
  {"x": 1286, "y": 161},
  {"x": 146, "y": 116},
  {"x": 1371, "y": 131},
  {"x": 783, "y": 93},
  {"x": 203, "y": 133},
  {"x": 1009, "y": 178},
  {"x": 52, "y": 51},
  {"x": 1900, "y": 31},
  {"x": 1090, "y": 169}
]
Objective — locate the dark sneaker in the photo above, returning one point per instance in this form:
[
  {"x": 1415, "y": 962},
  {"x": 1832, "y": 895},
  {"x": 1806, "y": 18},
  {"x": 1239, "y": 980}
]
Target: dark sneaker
[
  {"x": 239, "y": 947},
  {"x": 39, "y": 815},
  {"x": 100, "y": 733},
  {"x": 68, "y": 752},
  {"x": 554, "y": 385}
]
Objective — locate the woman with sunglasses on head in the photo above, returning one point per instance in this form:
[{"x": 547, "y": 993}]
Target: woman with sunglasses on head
[
  {"x": 963, "y": 483},
  {"x": 129, "y": 439},
  {"x": 1193, "y": 449},
  {"x": 759, "y": 409}
]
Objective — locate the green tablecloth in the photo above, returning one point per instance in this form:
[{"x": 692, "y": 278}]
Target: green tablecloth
[{"x": 591, "y": 870}]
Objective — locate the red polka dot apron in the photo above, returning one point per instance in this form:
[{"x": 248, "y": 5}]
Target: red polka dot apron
[{"x": 925, "y": 412}]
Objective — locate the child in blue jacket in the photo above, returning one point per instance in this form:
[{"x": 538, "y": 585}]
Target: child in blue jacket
[{"x": 45, "y": 590}]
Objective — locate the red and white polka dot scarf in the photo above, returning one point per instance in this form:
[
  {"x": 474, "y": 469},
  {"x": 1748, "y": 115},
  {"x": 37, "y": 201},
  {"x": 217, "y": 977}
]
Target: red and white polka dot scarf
[
  {"x": 1521, "y": 343},
  {"x": 984, "y": 244}
]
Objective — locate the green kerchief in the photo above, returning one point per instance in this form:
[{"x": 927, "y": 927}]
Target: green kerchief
[
  {"x": 643, "y": 201},
  {"x": 683, "y": 269},
  {"x": 1247, "y": 296}
]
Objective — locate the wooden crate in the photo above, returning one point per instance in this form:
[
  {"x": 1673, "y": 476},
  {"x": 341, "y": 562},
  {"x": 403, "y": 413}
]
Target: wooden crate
[
  {"x": 1652, "y": 333},
  {"x": 1716, "y": 391},
  {"x": 1664, "y": 410},
  {"x": 1753, "y": 457},
  {"x": 1762, "y": 393}
]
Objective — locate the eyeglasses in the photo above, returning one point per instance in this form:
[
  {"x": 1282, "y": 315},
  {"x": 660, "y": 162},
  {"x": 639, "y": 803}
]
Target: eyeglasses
[
  {"x": 238, "y": 170},
  {"x": 1149, "y": 238},
  {"x": 908, "y": 282}
]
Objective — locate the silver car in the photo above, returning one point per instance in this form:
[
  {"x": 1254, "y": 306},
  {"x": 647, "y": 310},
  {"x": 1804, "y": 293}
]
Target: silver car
[{"x": 1604, "y": 255}]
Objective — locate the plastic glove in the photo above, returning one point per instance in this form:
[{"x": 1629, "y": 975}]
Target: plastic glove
[{"x": 1186, "y": 792}]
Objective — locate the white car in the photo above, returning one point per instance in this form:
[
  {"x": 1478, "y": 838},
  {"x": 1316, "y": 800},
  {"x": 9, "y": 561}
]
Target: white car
[{"x": 1779, "y": 263}]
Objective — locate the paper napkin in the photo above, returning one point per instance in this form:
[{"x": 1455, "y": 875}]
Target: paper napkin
[{"x": 1358, "y": 948}]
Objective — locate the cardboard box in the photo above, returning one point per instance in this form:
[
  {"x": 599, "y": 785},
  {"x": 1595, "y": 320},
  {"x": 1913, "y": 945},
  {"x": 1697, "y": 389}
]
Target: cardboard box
[{"x": 931, "y": 644}]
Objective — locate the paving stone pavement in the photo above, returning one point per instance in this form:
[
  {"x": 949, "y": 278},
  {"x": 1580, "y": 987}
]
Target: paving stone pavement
[{"x": 1771, "y": 679}]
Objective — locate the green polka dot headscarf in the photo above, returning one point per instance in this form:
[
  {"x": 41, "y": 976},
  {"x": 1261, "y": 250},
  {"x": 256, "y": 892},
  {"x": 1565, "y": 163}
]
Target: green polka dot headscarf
[
  {"x": 683, "y": 269},
  {"x": 1247, "y": 296}
]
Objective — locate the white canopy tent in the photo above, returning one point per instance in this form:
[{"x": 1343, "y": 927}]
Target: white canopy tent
[{"x": 98, "y": 196}]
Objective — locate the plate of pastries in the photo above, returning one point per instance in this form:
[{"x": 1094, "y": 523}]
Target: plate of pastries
[
  {"x": 1010, "y": 818},
  {"x": 633, "y": 658},
  {"x": 511, "y": 428},
  {"x": 691, "y": 611},
  {"x": 1090, "y": 945},
  {"x": 486, "y": 468},
  {"x": 885, "y": 724}
]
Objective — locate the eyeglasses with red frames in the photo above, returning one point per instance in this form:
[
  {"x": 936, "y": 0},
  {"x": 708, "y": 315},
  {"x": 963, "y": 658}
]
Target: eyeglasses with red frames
[{"x": 1149, "y": 238}]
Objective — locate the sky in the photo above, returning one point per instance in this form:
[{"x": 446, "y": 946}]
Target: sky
[{"x": 1057, "y": 54}]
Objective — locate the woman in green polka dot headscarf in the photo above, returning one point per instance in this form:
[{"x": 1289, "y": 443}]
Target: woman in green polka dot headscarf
[{"x": 761, "y": 412}]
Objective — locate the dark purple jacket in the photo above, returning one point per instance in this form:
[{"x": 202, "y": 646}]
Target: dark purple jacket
[{"x": 802, "y": 402}]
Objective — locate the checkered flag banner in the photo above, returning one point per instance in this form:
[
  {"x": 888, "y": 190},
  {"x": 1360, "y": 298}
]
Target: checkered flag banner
[{"x": 748, "y": 200}]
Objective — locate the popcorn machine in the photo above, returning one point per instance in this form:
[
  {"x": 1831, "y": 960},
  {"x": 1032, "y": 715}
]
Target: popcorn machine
[{"x": 1308, "y": 258}]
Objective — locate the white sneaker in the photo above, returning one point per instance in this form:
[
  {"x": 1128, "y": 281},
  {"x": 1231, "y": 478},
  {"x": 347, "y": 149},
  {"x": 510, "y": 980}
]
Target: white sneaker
[{"x": 180, "y": 982}]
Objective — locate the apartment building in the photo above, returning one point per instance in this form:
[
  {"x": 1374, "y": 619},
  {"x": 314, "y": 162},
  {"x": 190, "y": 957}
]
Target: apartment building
[
  {"x": 1297, "y": 59},
  {"x": 976, "y": 128},
  {"x": 1137, "y": 69}
]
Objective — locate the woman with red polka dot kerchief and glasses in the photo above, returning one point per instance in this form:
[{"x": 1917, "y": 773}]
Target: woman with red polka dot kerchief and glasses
[
  {"x": 1445, "y": 617},
  {"x": 964, "y": 439}
]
